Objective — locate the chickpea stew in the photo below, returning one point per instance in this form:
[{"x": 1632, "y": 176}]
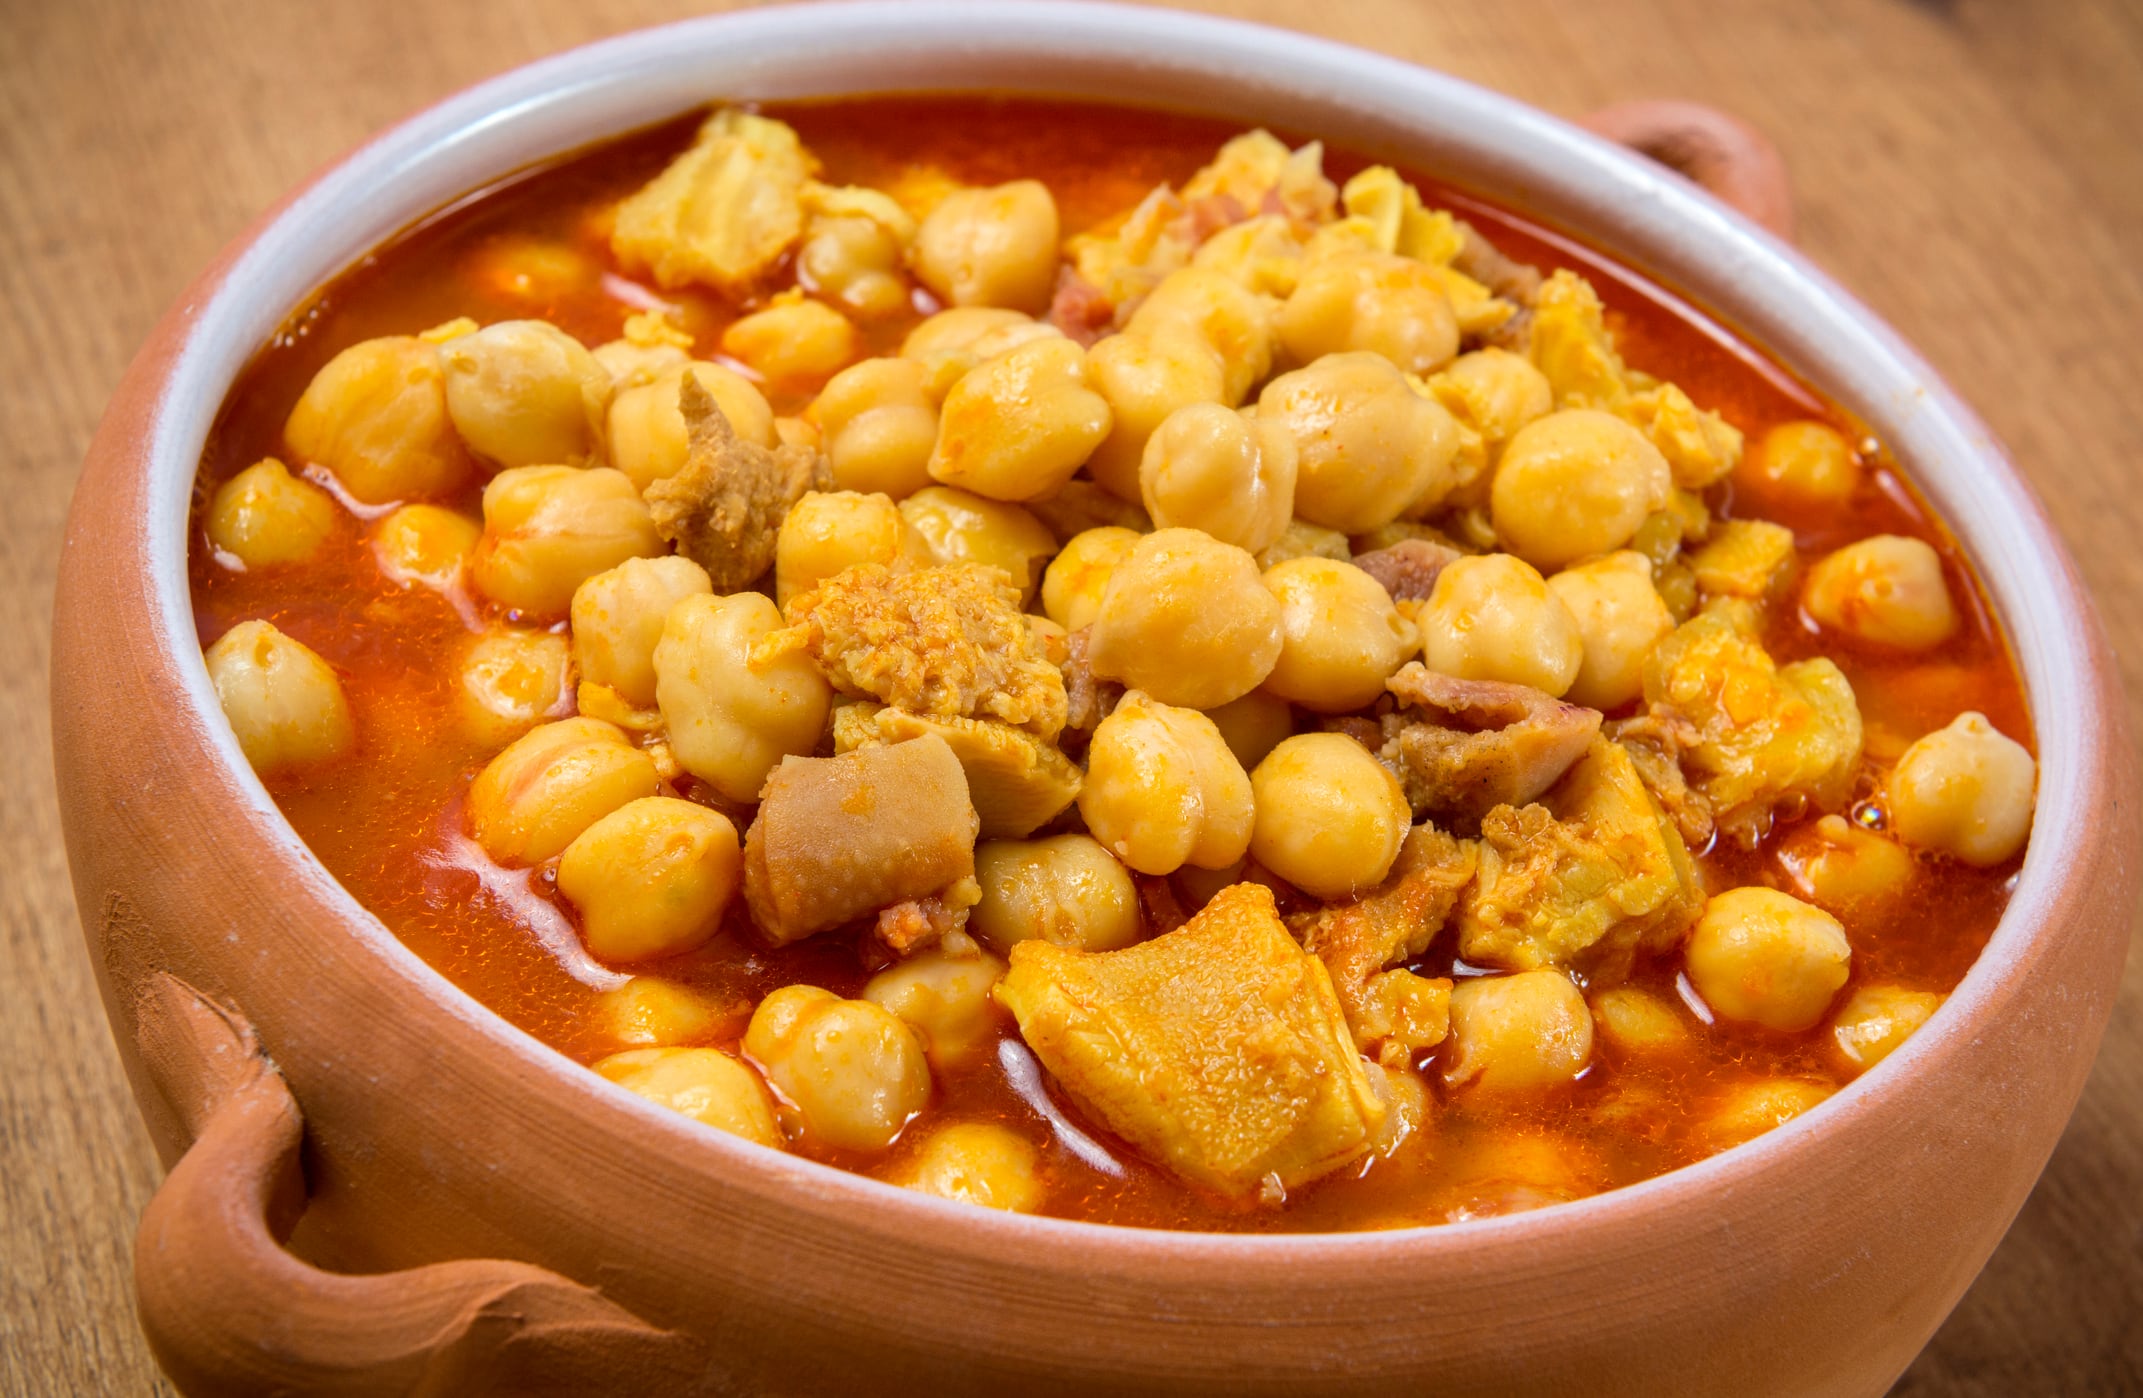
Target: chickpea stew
[{"x": 1089, "y": 662}]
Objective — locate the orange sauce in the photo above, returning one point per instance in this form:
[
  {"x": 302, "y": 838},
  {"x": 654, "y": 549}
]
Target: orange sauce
[{"x": 388, "y": 821}]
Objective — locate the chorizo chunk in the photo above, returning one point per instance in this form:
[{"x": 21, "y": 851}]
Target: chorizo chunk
[
  {"x": 1482, "y": 743},
  {"x": 724, "y": 507},
  {"x": 944, "y": 642},
  {"x": 837, "y": 838},
  {"x": 1754, "y": 734},
  {"x": 1394, "y": 1014},
  {"x": 1217, "y": 1050},
  {"x": 1583, "y": 881}
]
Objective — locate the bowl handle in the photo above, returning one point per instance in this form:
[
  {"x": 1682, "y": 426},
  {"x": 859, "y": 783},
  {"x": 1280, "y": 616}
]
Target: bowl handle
[
  {"x": 228, "y": 1310},
  {"x": 1731, "y": 159}
]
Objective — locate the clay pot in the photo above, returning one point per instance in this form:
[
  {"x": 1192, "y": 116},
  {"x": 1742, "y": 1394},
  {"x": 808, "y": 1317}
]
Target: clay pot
[{"x": 632, "y": 1252}]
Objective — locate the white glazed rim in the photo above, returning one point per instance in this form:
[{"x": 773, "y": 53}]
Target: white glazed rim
[{"x": 1481, "y": 142}]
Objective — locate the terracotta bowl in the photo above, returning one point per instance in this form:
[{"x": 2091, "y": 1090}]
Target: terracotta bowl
[{"x": 630, "y": 1251}]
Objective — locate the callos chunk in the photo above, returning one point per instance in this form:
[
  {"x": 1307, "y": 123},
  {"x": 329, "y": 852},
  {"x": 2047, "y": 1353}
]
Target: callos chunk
[
  {"x": 723, "y": 212},
  {"x": 1017, "y": 781},
  {"x": 1582, "y": 880},
  {"x": 837, "y": 838},
  {"x": 1758, "y": 732},
  {"x": 1217, "y": 1050}
]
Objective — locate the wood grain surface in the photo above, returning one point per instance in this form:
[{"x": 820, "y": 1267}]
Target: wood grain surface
[{"x": 1968, "y": 166}]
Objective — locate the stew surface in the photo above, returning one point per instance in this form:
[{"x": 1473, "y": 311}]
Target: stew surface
[{"x": 1674, "y": 1027}]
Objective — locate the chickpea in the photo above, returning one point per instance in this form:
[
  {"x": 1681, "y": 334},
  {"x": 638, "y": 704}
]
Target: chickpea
[
  {"x": 1211, "y": 307},
  {"x": 1341, "y": 637},
  {"x": 793, "y": 341},
  {"x": 1620, "y": 616},
  {"x": 511, "y": 680},
  {"x": 525, "y": 393},
  {"x": 1374, "y": 302},
  {"x": 852, "y": 1070},
  {"x": 1067, "y": 890},
  {"x": 649, "y": 348},
  {"x": 376, "y": 416},
  {"x": 1747, "y": 1111},
  {"x": 856, "y": 261},
  {"x": 1876, "y": 1019},
  {"x": 1759, "y": 956},
  {"x": 1492, "y": 617},
  {"x": 730, "y": 721},
  {"x": 617, "y": 621},
  {"x": 824, "y": 533},
  {"x": 950, "y": 343},
  {"x": 1018, "y": 427},
  {"x": 652, "y": 878},
  {"x": 1144, "y": 379},
  {"x": 1965, "y": 791},
  {"x": 1187, "y": 619},
  {"x": 1574, "y": 483},
  {"x": 1073, "y": 584},
  {"x": 648, "y": 441},
  {"x": 548, "y": 529},
  {"x": 1162, "y": 790},
  {"x": 1528, "y": 1030},
  {"x": 1211, "y": 468},
  {"x": 956, "y": 527},
  {"x": 533, "y": 270},
  {"x": 1329, "y": 816},
  {"x": 264, "y": 516},
  {"x": 651, "y": 1012},
  {"x": 283, "y": 701},
  {"x": 1369, "y": 447},
  {"x": 553, "y": 782},
  {"x": 425, "y": 545},
  {"x": 977, "y": 1162},
  {"x": 991, "y": 247},
  {"x": 1253, "y": 725},
  {"x": 1887, "y": 591},
  {"x": 1803, "y": 464},
  {"x": 702, "y": 1083},
  {"x": 1494, "y": 392},
  {"x": 945, "y": 999},
  {"x": 1638, "y": 1022},
  {"x": 879, "y": 427},
  {"x": 1839, "y": 866}
]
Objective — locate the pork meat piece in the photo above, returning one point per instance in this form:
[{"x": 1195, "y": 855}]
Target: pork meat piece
[
  {"x": 1464, "y": 747},
  {"x": 724, "y": 507}
]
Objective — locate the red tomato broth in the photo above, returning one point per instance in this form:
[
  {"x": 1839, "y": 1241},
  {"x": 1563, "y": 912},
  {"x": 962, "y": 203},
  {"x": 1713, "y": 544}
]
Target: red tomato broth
[{"x": 388, "y": 820}]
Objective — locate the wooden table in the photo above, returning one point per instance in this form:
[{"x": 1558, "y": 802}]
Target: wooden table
[{"x": 1968, "y": 166}]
